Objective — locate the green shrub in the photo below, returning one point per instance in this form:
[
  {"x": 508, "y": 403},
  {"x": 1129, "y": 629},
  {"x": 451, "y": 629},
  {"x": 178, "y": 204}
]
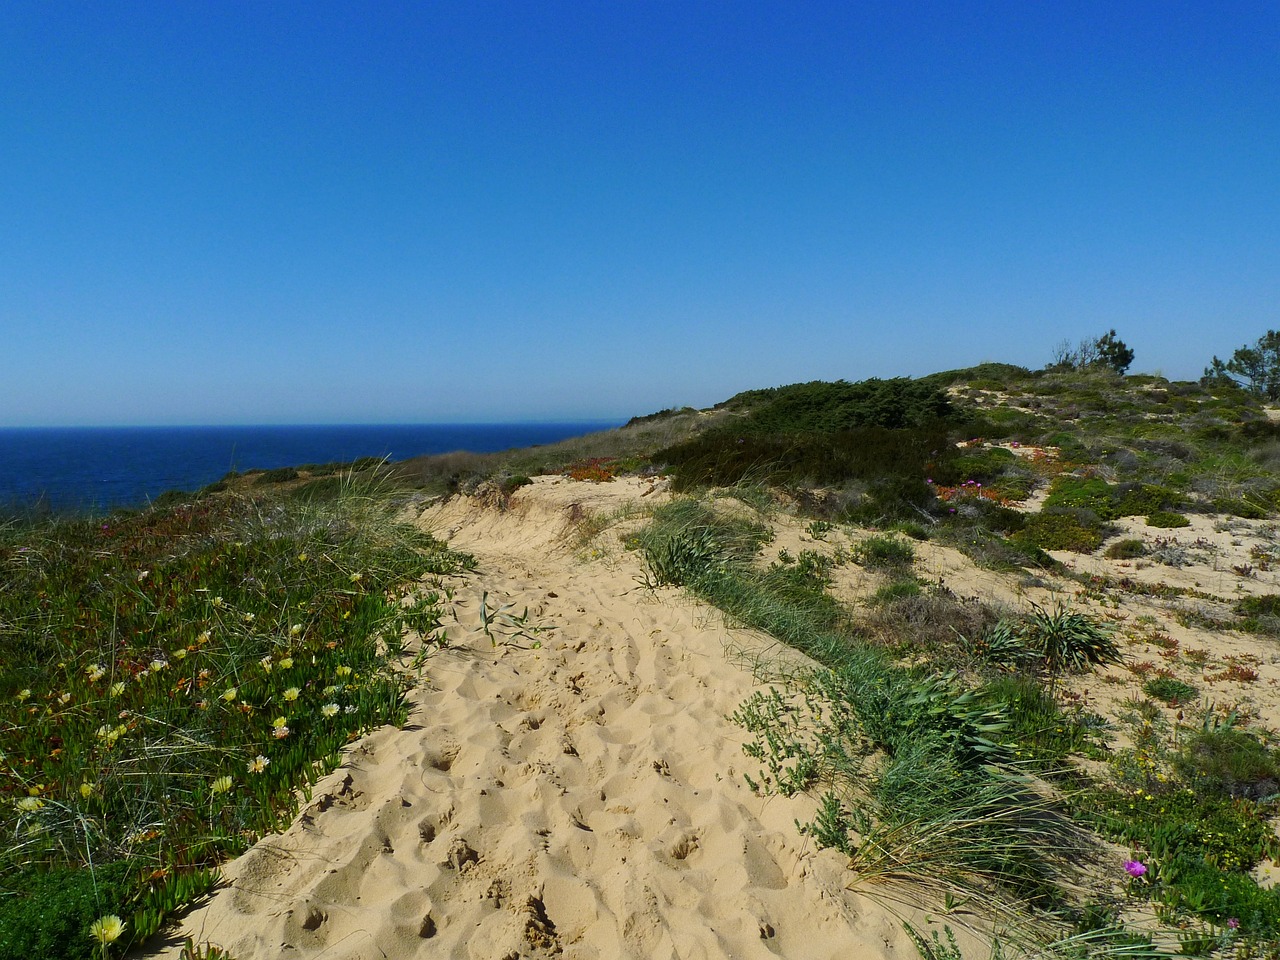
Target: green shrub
[
  {"x": 1060, "y": 531},
  {"x": 1259, "y": 614},
  {"x": 1230, "y": 762},
  {"x": 1068, "y": 640},
  {"x": 1167, "y": 520},
  {"x": 1170, "y": 690},
  {"x": 1125, "y": 550},
  {"x": 823, "y": 407},
  {"x": 1239, "y": 507},
  {"x": 279, "y": 475},
  {"x": 47, "y": 913},
  {"x": 884, "y": 551},
  {"x": 895, "y": 590}
]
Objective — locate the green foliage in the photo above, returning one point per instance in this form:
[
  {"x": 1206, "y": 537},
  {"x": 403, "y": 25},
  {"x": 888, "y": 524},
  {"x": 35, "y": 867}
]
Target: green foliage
[
  {"x": 1255, "y": 367},
  {"x": 278, "y": 475},
  {"x": 173, "y": 676},
  {"x": 1170, "y": 690},
  {"x": 1201, "y": 848},
  {"x": 822, "y": 407},
  {"x": 1260, "y": 614},
  {"x": 1125, "y": 549},
  {"x": 898, "y": 459},
  {"x": 1229, "y": 762},
  {"x": 881, "y": 550},
  {"x": 1068, "y": 640},
  {"x": 1107, "y": 351},
  {"x": 1109, "y": 501},
  {"x": 1049, "y": 530},
  {"x": 47, "y": 912},
  {"x": 1167, "y": 520}
]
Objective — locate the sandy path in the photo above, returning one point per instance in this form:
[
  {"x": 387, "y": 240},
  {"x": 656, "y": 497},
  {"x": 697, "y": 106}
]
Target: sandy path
[{"x": 583, "y": 799}]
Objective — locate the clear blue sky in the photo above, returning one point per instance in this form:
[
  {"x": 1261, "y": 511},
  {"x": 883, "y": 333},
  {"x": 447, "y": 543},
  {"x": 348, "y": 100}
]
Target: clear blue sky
[{"x": 266, "y": 212}]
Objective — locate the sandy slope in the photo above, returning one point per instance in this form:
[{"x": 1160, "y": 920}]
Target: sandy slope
[{"x": 582, "y": 799}]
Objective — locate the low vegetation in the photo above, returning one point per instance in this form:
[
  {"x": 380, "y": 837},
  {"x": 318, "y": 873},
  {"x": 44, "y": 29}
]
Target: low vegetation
[{"x": 172, "y": 677}]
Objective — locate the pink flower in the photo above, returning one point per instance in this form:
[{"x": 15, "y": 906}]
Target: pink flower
[
  {"x": 1233, "y": 923},
  {"x": 1135, "y": 868}
]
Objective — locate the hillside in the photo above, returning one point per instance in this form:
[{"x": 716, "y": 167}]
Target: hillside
[{"x": 983, "y": 661}]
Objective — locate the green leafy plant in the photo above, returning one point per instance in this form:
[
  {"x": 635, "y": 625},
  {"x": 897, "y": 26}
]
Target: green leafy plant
[{"x": 1069, "y": 640}]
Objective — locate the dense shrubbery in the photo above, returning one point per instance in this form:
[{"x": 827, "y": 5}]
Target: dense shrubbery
[{"x": 824, "y": 407}]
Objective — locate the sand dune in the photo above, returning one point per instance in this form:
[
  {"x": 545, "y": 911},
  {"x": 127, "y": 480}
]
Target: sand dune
[{"x": 582, "y": 798}]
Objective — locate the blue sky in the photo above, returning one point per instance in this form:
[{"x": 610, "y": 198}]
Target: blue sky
[{"x": 377, "y": 212}]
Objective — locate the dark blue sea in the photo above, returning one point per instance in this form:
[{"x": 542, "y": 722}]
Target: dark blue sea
[{"x": 96, "y": 468}]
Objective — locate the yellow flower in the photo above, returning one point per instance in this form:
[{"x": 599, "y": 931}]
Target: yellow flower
[
  {"x": 343, "y": 671},
  {"x": 95, "y": 672},
  {"x": 24, "y": 695},
  {"x": 357, "y": 577},
  {"x": 291, "y": 694},
  {"x": 302, "y": 558},
  {"x": 248, "y": 618},
  {"x": 266, "y": 663},
  {"x": 221, "y": 785},
  {"x": 286, "y": 663},
  {"x": 180, "y": 653},
  {"x": 217, "y": 601},
  {"x": 106, "y": 929},
  {"x": 30, "y": 804},
  {"x": 158, "y": 665},
  {"x": 229, "y": 694},
  {"x": 64, "y": 699},
  {"x": 329, "y": 709},
  {"x": 205, "y": 637},
  {"x": 86, "y": 790},
  {"x": 258, "y": 764},
  {"x": 295, "y": 630},
  {"x": 117, "y": 688}
]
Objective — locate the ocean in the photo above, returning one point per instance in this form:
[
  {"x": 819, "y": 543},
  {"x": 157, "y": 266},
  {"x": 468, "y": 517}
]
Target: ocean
[{"x": 97, "y": 468}]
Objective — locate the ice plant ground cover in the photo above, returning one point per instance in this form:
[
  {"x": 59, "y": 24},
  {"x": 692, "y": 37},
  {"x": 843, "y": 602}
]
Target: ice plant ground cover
[{"x": 171, "y": 677}]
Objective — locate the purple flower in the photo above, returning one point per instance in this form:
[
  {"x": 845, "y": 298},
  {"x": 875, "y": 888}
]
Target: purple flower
[
  {"x": 1233, "y": 923},
  {"x": 1135, "y": 868}
]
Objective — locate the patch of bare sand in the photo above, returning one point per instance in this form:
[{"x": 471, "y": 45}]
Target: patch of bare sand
[{"x": 579, "y": 798}]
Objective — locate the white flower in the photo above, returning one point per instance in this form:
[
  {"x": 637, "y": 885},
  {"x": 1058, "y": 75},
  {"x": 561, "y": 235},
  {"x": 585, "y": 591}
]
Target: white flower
[
  {"x": 95, "y": 672},
  {"x": 349, "y": 708},
  {"x": 217, "y": 601},
  {"x": 266, "y": 663},
  {"x": 291, "y": 694},
  {"x": 329, "y": 709},
  {"x": 258, "y": 764},
  {"x": 248, "y": 618}
]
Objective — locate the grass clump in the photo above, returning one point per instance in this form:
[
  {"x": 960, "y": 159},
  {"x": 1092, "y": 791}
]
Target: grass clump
[
  {"x": 1127, "y": 549},
  {"x": 1074, "y": 531},
  {"x": 173, "y": 676},
  {"x": 1170, "y": 690},
  {"x": 1259, "y": 614},
  {"x": 1168, "y": 520},
  {"x": 884, "y": 551}
]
